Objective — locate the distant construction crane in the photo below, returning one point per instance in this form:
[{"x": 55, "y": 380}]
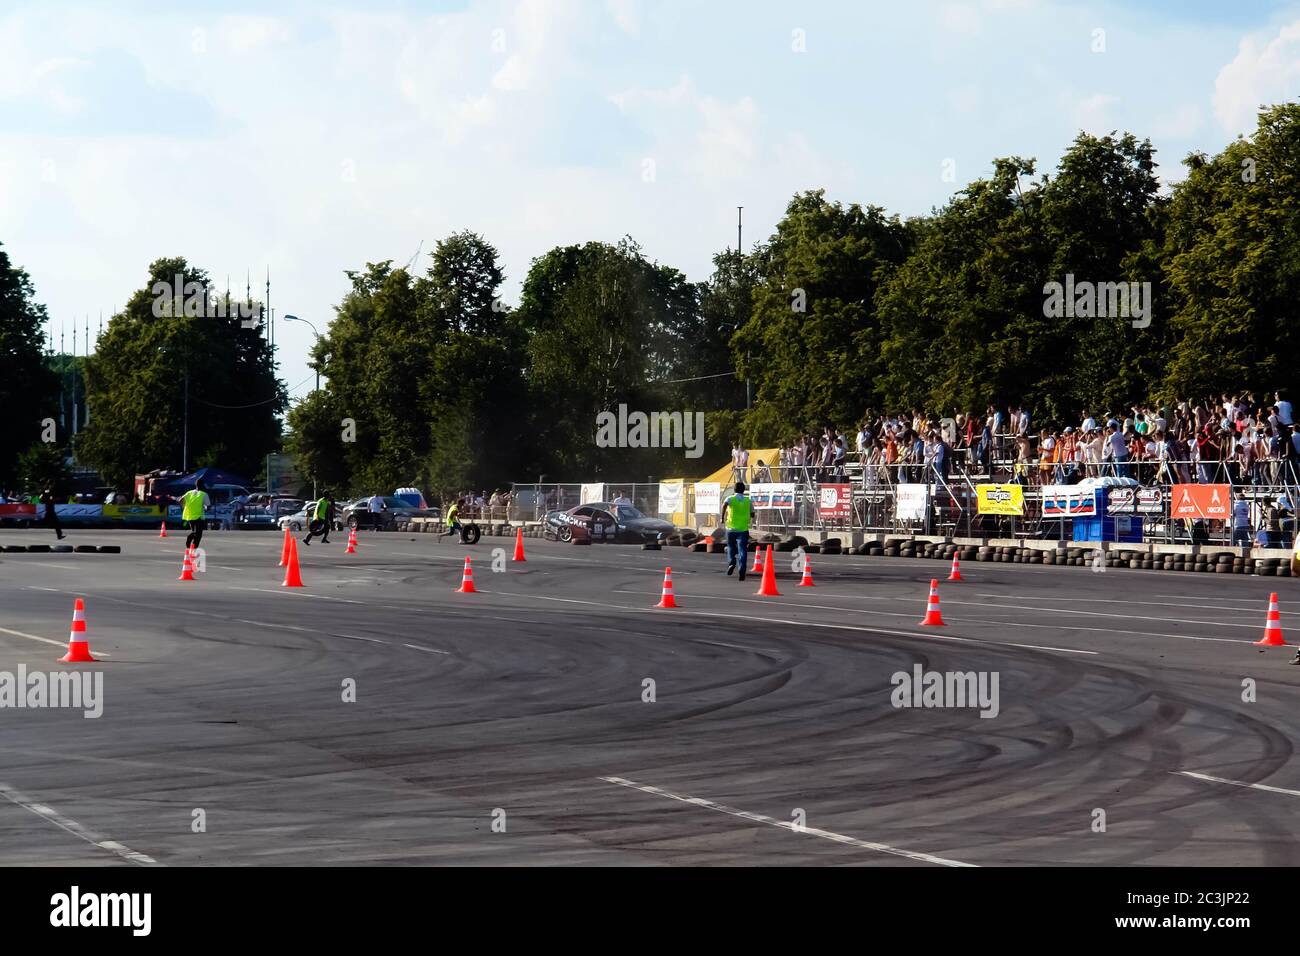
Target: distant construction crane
[{"x": 411, "y": 261}]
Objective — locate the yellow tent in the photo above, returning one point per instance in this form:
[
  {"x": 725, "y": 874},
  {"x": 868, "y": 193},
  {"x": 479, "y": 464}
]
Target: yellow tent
[{"x": 723, "y": 476}]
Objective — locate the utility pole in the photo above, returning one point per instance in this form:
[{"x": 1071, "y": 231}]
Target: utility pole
[
  {"x": 740, "y": 254},
  {"x": 185, "y": 440}
]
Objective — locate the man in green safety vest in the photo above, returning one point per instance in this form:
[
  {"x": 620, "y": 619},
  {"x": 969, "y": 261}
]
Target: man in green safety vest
[
  {"x": 322, "y": 520},
  {"x": 736, "y": 513},
  {"x": 193, "y": 504},
  {"x": 453, "y": 519}
]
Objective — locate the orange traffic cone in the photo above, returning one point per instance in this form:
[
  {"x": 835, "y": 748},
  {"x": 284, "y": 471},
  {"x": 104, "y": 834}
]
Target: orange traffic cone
[
  {"x": 78, "y": 648},
  {"x": 667, "y": 600},
  {"x": 1272, "y": 626},
  {"x": 955, "y": 575},
  {"x": 284, "y": 548},
  {"x": 932, "y": 616},
  {"x": 187, "y": 567},
  {"x": 807, "y": 581},
  {"x": 352, "y": 541},
  {"x": 292, "y": 576},
  {"x": 519, "y": 544},
  {"x": 758, "y": 560},
  {"x": 163, "y": 532},
  {"x": 768, "y": 587},
  {"x": 467, "y": 579}
]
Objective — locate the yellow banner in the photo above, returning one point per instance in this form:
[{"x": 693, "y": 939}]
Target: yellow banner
[
  {"x": 1000, "y": 499},
  {"x": 132, "y": 511}
]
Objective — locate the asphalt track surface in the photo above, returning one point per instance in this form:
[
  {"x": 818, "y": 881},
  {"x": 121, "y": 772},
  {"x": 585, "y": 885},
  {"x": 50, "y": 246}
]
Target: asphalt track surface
[{"x": 225, "y": 695}]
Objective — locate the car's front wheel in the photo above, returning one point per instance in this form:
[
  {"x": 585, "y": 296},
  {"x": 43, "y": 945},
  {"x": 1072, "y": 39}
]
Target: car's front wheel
[
  {"x": 294, "y": 526},
  {"x": 565, "y": 534}
]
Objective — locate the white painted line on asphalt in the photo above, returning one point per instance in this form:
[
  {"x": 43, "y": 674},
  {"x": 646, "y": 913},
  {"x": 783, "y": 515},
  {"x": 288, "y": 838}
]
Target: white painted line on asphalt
[
  {"x": 1237, "y": 783},
  {"x": 431, "y": 650},
  {"x": 786, "y": 824},
  {"x": 48, "y": 640},
  {"x": 775, "y": 620},
  {"x": 75, "y": 828},
  {"x": 302, "y": 591},
  {"x": 1086, "y": 600},
  {"x": 33, "y": 637},
  {"x": 964, "y": 620}
]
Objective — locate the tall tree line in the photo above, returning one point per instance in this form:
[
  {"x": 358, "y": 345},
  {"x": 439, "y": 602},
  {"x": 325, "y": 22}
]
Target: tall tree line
[{"x": 431, "y": 379}]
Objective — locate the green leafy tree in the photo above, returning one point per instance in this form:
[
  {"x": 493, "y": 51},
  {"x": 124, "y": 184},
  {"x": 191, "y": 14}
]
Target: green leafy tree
[
  {"x": 151, "y": 356},
  {"x": 28, "y": 387}
]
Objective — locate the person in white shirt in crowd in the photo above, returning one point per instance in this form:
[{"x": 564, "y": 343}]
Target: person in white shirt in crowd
[
  {"x": 1089, "y": 423},
  {"x": 1283, "y": 409},
  {"x": 1240, "y": 519},
  {"x": 376, "y": 504},
  {"x": 622, "y": 499}
]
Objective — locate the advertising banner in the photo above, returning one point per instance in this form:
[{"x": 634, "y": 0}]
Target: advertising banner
[
  {"x": 27, "y": 510},
  {"x": 708, "y": 499},
  {"x": 1127, "y": 501},
  {"x": 74, "y": 511},
  {"x": 835, "y": 502},
  {"x": 1201, "y": 501},
  {"x": 670, "y": 497},
  {"x": 133, "y": 512},
  {"x": 593, "y": 492},
  {"x": 1069, "y": 501},
  {"x": 768, "y": 496},
  {"x": 1000, "y": 499},
  {"x": 911, "y": 502}
]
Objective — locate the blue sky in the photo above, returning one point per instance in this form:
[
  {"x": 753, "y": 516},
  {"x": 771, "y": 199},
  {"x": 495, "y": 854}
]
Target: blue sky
[{"x": 313, "y": 137}]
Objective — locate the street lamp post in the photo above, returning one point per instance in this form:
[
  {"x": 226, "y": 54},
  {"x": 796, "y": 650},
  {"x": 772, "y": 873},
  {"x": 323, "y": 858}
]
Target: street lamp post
[{"x": 294, "y": 318}]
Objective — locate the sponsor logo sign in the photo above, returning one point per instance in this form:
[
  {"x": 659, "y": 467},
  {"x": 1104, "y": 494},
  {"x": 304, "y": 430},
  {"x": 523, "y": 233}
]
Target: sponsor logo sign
[
  {"x": 911, "y": 501},
  {"x": 708, "y": 498},
  {"x": 593, "y": 491},
  {"x": 132, "y": 511},
  {"x": 1135, "y": 501},
  {"x": 835, "y": 502},
  {"x": 1068, "y": 501},
  {"x": 1000, "y": 499},
  {"x": 670, "y": 497},
  {"x": 770, "y": 495},
  {"x": 1201, "y": 501}
]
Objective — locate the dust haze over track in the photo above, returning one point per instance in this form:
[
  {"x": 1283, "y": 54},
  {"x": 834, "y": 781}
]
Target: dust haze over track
[{"x": 226, "y": 695}]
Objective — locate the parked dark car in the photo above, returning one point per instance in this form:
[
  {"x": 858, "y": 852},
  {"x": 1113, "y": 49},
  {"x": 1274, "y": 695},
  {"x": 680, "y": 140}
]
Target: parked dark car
[
  {"x": 396, "y": 513},
  {"x": 602, "y": 521}
]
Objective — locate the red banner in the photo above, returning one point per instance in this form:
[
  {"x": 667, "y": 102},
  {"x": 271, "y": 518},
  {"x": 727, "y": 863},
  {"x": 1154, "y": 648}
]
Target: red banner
[
  {"x": 18, "y": 509},
  {"x": 835, "y": 502},
  {"x": 1201, "y": 501}
]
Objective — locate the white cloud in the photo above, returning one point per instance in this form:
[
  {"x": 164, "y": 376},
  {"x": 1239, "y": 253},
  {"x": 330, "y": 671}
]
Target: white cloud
[
  {"x": 1091, "y": 112},
  {"x": 627, "y": 14},
  {"x": 1262, "y": 72}
]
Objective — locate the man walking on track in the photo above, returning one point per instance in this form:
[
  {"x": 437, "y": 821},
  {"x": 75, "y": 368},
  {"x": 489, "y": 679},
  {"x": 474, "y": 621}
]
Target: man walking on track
[
  {"x": 322, "y": 519},
  {"x": 194, "y": 503},
  {"x": 736, "y": 512},
  {"x": 51, "y": 519}
]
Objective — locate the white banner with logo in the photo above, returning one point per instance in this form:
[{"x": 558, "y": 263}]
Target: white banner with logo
[
  {"x": 708, "y": 499},
  {"x": 593, "y": 492},
  {"x": 670, "y": 497},
  {"x": 772, "y": 495},
  {"x": 911, "y": 502}
]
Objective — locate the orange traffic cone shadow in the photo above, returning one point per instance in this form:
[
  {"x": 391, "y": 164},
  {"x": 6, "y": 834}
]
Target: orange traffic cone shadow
[
  {"x": 163, "y": 532},
  {"x": 352, "y": 541},
  {"x": 667, "y": 599},
  {"x": 285, "y": 547},
  {"x": 78, "y": 647},
  {"x": 1272, "y": 626},
  {"x": 519, "y": 545},
  {"x": 932, "y": 616},
  {"x": 467, "y": 579},
  {"x": 807, "y": 581},
  {"x": 292, "y": 576},
  {"x": 187, "y": 567},
  {"x": 768, "y": 587},
  {"x": 955, "y": 574}
]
